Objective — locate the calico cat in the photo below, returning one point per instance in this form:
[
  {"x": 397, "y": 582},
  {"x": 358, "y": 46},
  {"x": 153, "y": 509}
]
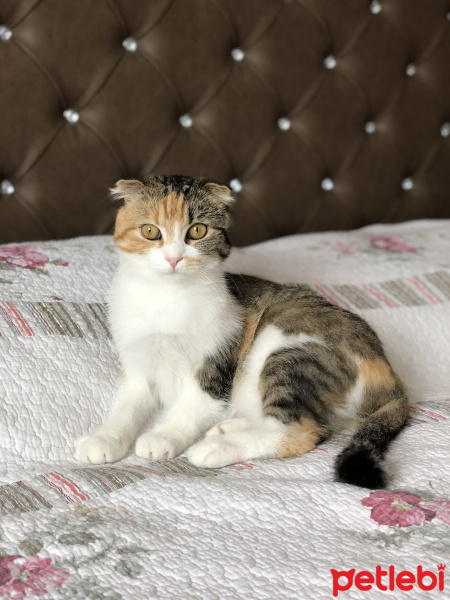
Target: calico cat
[{"x": 264, "y": 370}]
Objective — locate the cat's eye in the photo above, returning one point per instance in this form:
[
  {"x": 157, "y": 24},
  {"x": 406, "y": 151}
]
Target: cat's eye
[
  {"x": 150, "y": 232},
  {"x": 197, "y": 231}
]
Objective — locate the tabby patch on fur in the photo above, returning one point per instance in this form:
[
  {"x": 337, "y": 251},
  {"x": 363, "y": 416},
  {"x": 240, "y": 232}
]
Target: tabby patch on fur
[{"x": 230, "y": 367}]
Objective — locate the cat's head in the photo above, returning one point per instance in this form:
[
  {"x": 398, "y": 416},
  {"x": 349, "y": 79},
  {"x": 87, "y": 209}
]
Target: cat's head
[{"x": 177, "y": 225}]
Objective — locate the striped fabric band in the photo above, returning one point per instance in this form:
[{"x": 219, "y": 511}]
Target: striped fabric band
[
  {"x": 78, "y": 485},
  {"x": 70, "y": 319},
  {"x": 89, "y": 320},
  {"x": 432, "y": 288}
]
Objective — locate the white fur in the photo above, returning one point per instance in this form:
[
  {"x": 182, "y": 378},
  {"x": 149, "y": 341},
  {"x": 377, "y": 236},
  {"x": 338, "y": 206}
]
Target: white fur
[
  {"x": 237, "y": 440},
  {"x": 113, "y": 440},
  {"x": 164, "y": 324}
]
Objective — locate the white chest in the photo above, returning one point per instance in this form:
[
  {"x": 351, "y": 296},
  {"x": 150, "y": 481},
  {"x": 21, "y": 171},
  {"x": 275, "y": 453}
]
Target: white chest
[{"x": 166, "y": 332}]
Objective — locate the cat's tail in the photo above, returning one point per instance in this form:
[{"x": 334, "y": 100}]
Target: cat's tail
[{"x": 361, "y": 462}]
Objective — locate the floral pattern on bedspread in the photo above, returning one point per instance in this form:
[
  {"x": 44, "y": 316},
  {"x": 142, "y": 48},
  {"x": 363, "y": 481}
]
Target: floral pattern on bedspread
[
  {"x": 54, "y": 553},
  {"x": 385, "y": 243},
  {"x": 21, "y": 577},
  {"x": 399, "y": 509},
  {"x": 52, "y": 556},
  {"x": 27, "y": 257}
]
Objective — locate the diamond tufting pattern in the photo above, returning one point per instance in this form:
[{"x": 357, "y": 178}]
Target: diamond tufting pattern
[{"x": 322, "y": 114}]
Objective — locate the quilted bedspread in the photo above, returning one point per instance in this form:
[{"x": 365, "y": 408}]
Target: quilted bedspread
[{"x": 269, "y": 529}]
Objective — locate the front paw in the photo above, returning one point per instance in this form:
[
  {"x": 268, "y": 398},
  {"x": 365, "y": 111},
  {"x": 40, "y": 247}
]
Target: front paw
[
  {"x": 156, "y": 447},
  {"x": 99, "y": 448}
]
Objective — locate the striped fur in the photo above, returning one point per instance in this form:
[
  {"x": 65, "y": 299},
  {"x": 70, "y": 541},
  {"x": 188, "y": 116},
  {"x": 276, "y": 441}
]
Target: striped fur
[{"x": 339, "y": 373}]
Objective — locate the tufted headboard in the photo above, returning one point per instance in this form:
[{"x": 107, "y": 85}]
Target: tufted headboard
[{"x": 320, "y": 114}]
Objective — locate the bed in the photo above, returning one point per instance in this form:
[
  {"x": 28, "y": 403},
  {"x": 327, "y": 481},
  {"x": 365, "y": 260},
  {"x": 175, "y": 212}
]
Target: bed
[
  {"x": 324, "y": 118},
  {"x": 263, "y": 529}
]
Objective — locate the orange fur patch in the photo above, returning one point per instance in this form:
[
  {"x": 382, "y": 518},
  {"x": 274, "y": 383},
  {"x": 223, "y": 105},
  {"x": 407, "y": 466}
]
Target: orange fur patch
[
  {"x": 190, "y": 262},
  {"x": 301, "y": 437},
  {"x": 167, "y": 213},
  {"x": 127, "y": 234},
  {"x": 251, "y": 322},
  {"x": 376, "y": 373},
  {"x": 170, "y": 212}
]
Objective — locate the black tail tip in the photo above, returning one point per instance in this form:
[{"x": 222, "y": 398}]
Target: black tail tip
[{"x": 358, "y": 465}]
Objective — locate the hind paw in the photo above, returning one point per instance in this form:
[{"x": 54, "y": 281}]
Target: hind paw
[{"x": 212, "y": 454}]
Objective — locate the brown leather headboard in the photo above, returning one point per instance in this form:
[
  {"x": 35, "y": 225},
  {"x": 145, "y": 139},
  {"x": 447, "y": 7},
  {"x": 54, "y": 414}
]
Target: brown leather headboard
[{"x": 323, "y": 114}]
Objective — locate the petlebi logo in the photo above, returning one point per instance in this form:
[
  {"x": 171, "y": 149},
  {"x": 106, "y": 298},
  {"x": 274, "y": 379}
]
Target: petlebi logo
[{"x": 388, "y": 579}]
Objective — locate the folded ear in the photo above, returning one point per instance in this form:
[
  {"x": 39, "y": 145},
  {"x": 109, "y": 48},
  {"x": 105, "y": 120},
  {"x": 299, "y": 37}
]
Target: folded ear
[
  {"x": 220, "y": 192},
  {"x": 129, "y": 190}
]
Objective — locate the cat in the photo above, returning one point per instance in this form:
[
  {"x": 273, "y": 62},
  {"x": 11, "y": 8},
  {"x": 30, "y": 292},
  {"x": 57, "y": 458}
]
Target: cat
[{"x": 231, "y": 367}]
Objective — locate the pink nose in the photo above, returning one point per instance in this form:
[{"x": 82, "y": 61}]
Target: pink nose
[{"x": 173, "y": 261}]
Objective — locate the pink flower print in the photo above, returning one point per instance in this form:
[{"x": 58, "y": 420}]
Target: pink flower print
[
  {"x": 349, "y": 247},
  {"x": 5, "y": 573},
  {"x": 397, "y": 509},
  {"x": 21, "y": 577},
  {"x": 25, "y": 257},
  {"x": 385, "y": 242},
  {"x": 441, "y": 508}
]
